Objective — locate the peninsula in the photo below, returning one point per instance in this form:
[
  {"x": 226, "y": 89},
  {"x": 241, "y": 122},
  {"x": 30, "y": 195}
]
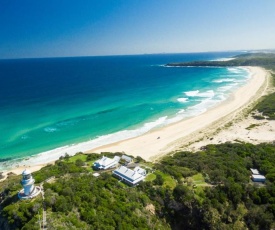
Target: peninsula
[{"x": 266, "y": 60}]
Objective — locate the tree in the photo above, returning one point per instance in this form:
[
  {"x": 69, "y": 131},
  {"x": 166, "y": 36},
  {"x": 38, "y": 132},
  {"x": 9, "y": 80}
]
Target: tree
[
  {"x": 79, "y": 163},
  {"x": 159, "y": 180}
]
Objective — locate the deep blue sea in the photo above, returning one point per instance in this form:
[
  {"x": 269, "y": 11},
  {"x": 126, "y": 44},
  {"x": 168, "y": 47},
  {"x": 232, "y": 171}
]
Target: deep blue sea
[{"x": 48, "y": 103}]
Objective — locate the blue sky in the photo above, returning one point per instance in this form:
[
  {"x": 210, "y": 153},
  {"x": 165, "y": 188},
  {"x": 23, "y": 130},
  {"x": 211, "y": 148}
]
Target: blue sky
[{"x": 54, "y": 28}]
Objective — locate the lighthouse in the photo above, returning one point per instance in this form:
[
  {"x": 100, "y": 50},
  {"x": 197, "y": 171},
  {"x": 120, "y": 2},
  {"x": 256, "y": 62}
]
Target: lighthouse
[{"x": 29, "y": 189}]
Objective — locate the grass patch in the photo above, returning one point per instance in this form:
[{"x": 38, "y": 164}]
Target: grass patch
[
  {"x": 73, "y": 159},
  {"x": 229, "y": 124},
  {"x": 258, "y": 117},
  {"x": 83, "y": 157},
  {"x": 168, "y": 180},
  {"x": 198, "y": 188},
  {"x": 252, "y": 126},
  {"x": 147, "y": 165},
  {"x": 150, "y": 177},
  {"x": 267, "y": 107},
  {"x": 199, "y": 194},
  {"x": 88, "y": 167},
  {"x": 198, "y": 179}
]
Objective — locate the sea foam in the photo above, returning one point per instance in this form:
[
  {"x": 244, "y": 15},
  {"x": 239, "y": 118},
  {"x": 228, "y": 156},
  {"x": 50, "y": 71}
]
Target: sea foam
[
  {"x": 192, "y": 93},
  {"x": 50, "y": 129},
  {"x": 236, "y": 70},
  {"x": 223, "y": 59},
  {"x": 52, "y": 155},
  {"x": 182, "y": 99},
  {"x": 197, "y": 93},
  {"x": 224, "y": 80}
]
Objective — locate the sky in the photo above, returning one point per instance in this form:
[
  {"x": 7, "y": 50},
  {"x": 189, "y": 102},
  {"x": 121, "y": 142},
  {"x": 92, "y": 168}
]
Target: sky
[{"x": 60, "y": 28}]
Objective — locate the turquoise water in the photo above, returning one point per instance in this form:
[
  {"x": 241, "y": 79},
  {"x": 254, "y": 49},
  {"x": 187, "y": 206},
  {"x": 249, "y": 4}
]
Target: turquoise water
[{"x": 49, "y": 103}]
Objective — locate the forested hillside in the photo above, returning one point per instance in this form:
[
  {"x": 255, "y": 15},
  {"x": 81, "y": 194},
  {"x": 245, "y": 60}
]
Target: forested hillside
[
  {"x": 210, "y": 189},
  {"x": 266, "y": 60}
]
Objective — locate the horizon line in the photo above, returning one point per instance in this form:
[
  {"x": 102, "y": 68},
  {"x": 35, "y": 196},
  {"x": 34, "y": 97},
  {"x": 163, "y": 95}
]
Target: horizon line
[{"x": 140, "y": 54}]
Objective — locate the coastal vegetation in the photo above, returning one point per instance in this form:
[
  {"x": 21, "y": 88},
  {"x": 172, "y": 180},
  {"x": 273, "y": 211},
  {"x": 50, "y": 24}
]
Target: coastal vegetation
[
  {"x": 266, "y": 60},
  {"x": 267, "y": 106},
  {"x": 208, "y": 189}
]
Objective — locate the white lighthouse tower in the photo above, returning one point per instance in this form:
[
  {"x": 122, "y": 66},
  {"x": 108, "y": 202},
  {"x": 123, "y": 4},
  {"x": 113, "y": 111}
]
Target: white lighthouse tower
[{"x": 29, "y": 189}]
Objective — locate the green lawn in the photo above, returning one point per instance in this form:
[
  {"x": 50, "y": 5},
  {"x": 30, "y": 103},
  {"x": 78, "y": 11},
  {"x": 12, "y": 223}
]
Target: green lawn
[
  {"x": 198, "y": 179},
  {"x": 147, "y": 164},
  {"x": 76, "y": 157},
  {"x": 199, "y": 194},
  {"x": 82, "y": 157},
  {"x": 150, "y": 177},
  {"x": 168, "y": 180},
  {"x": 199, "y": 182}
]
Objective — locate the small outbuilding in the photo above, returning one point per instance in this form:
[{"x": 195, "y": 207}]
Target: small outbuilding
[
  {"x": 258, "y": 178},
  {"x": 254, "y": 171},
  {"x": 106, "y": 162},
  {"x": 127, "y": 159}
]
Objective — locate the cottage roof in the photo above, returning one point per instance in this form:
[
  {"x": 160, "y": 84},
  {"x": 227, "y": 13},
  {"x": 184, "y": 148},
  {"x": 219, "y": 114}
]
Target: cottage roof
[
  {"x": 140, "y": 170},
  {"x": 126, "y": 158},
  {"x": 254, "y": 171},
  {"x": 128, "y": 174},
  {"x": 116, "y": 158},
  {"x": 258, "y": 177},
  {"x": 106, "y": 162}
]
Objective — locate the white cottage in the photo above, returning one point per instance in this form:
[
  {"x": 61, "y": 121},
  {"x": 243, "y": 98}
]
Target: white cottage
[
  {"x": 127, "y": 159},
  {"x": 258, "y": 178},
  {"x": 106, "y": 162},
  {"x": 129, "y": 176}
]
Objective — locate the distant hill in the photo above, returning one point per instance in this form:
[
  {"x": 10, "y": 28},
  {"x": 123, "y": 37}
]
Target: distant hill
[{"x": 266, "y": 60}]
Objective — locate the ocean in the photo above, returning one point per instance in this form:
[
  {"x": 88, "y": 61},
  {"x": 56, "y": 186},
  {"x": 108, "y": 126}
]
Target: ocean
[{"x": 48, "y": 105}]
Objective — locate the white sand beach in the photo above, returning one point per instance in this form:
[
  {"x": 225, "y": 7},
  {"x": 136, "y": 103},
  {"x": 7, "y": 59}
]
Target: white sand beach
[
  {"x": 190, "y": 134},
  {"x": 157, "y": 143}
]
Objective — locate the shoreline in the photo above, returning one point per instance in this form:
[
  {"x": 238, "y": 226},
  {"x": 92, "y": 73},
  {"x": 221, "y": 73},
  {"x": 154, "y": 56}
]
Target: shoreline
[
  {"x": 175, "y": 136},
  {"x": 153, "y": 145}
]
